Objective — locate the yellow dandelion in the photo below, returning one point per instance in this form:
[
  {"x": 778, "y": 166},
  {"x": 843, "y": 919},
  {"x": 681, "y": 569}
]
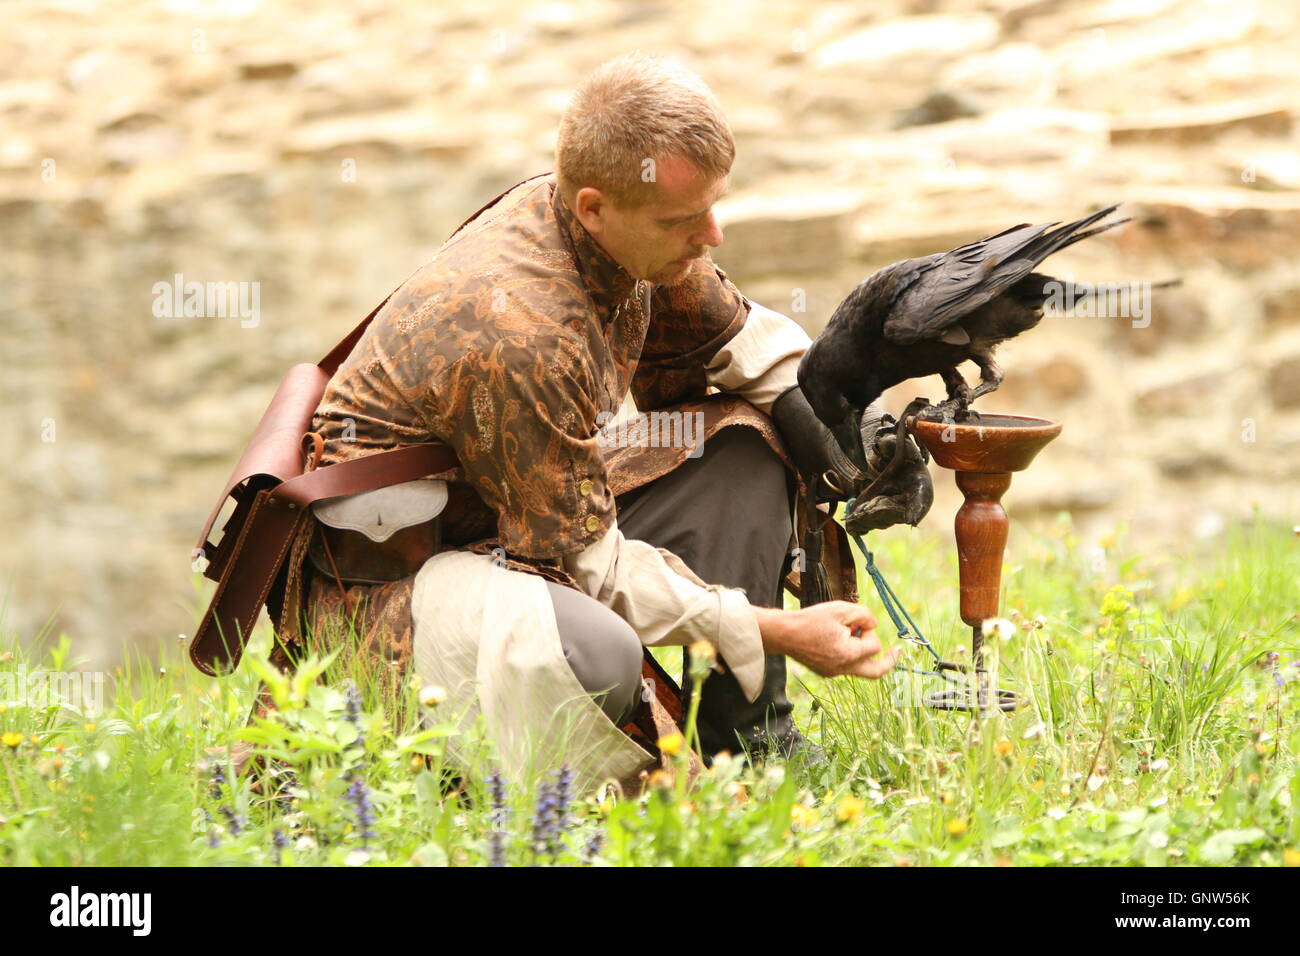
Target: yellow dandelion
[
  {"x": 671, "y": 744},
  {"x": 849, "y": 809},
  {"x": 1291, "y": 857},
  {"x": 956, "y": 827},
  {"x": 802, "y": 817},
  {"x": 1003, "y": 747},
  {"x": 11, "y": 739},
  {"x": 89, "y": 728}
]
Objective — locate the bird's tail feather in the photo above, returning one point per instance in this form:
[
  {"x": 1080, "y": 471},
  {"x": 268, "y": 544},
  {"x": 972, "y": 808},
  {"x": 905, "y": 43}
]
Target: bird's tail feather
[{"x": 1057, "y": 239}]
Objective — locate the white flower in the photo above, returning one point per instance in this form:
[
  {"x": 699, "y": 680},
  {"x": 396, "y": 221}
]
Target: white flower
[
  {"x": 356, "y": 858},
  {"x": 996, "y": 628},
  {"x": 432, "y": 695},
  {"x": 1161, "y": 764}
]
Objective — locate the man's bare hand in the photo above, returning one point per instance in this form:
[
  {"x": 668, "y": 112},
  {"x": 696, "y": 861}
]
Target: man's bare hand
[{"x": 832, "y": 638}]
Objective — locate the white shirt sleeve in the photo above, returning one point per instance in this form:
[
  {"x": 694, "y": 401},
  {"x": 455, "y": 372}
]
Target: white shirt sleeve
[
  {"x": 666, "y": 603},
  {"x": 760, "y": 361}
]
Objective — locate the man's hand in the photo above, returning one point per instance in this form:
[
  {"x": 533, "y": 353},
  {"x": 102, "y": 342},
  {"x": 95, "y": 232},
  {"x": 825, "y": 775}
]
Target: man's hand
[
  {"x": 837, "y": 474},
  {"x": 905, "y": 496},
  {"x": 831, "y": 639}
]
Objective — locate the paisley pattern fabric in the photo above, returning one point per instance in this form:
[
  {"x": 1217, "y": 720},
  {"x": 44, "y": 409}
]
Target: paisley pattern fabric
[{"x": 508, "y": 345}]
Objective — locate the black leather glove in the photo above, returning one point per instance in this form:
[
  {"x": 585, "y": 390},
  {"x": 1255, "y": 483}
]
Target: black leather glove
[{"x": 903, "y": 494}]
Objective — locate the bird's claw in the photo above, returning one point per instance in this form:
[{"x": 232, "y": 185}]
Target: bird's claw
[{"x": 952, "y": 411}]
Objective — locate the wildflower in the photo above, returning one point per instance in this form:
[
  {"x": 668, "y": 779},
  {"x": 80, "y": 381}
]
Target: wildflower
[
  {"x": 849, "y": 809},
  {"x": 546, "y": 829},
  {"x": 356, "y": 858},
  {"x": 660, "y": 780},
  {"x": 214, "y": 840},
  {"x": 498, "y": 818},
  {"x": 89, "y": 728},
  {"x": 359, "y": 796},
  {"x": 11, "y": 739},
  {"x": 738, "y": 793},
  {"x": 956, "y": 827},
  {"x": 1291, "y": 857},
  {"x": 591, "y": 848},
  {"x": 802, "y": 817},
  {"x": 279, "y": 842},
  {"x": 1160, "y": 764},
  {"x": 218, "y": 781},
  {"x": 998, "y": 628},
  {"x": 1003, "y": 747},
  {"x": 352, "y": 704},
  {"x": 433, "y": 695},
  {"x": 671, "y": 744},
  {"x": 1116, "y": 603},
  {"x": 234, "y": 822}
]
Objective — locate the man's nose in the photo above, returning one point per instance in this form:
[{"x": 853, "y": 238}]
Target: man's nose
[{"x": 711, "y": 235}]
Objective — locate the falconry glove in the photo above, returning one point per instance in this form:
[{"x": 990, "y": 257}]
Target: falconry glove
[{"x": 896, "y": 484}]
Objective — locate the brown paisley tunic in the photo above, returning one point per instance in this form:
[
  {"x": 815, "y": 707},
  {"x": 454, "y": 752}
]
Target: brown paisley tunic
[{"x": 508, "y": 345}]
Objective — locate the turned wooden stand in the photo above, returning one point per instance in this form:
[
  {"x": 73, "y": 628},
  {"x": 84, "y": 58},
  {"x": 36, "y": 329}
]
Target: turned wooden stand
[{"x": 983, "y": 456}]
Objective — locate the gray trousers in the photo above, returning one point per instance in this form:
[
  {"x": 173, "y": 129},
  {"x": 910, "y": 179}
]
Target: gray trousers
[{"x": 727, "y": 515}]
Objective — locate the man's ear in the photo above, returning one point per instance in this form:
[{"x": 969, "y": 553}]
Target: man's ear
[{"x": 591, "y": 207}]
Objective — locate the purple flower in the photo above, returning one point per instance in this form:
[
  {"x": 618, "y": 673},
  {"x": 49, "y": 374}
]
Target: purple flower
[
  {"x": 359, "y": 796},
  {"x": 500, "y": 815}
]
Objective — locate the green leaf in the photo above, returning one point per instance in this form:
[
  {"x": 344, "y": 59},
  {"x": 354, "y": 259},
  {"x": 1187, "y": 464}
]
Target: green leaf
[{"x": 1222, "y": 846}]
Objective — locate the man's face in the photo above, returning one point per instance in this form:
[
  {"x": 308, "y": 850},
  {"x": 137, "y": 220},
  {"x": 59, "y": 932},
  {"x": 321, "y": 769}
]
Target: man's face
[{"x": 657, "y": 241}]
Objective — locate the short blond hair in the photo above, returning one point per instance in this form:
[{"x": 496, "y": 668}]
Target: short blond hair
[{"x": 636, "y": 108}]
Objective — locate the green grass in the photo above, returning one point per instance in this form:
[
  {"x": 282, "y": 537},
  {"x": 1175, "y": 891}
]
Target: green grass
[{"x": 1158, "y": 729}]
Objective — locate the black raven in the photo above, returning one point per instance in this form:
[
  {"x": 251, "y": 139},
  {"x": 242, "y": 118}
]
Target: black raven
[{"x": 926, "y": 316}]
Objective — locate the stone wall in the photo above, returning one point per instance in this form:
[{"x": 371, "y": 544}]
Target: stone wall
[{"x": 323, "y": 151}]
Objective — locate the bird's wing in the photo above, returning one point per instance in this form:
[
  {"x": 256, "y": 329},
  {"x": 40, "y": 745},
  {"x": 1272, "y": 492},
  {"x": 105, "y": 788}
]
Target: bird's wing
[{"x": 969, "y": 276}]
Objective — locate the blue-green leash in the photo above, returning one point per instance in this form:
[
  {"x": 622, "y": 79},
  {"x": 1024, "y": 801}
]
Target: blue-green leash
[{"x": 907, "y": 628}]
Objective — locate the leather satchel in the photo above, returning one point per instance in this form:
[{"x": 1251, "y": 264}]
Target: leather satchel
[{"x": 273, "y": 493}]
